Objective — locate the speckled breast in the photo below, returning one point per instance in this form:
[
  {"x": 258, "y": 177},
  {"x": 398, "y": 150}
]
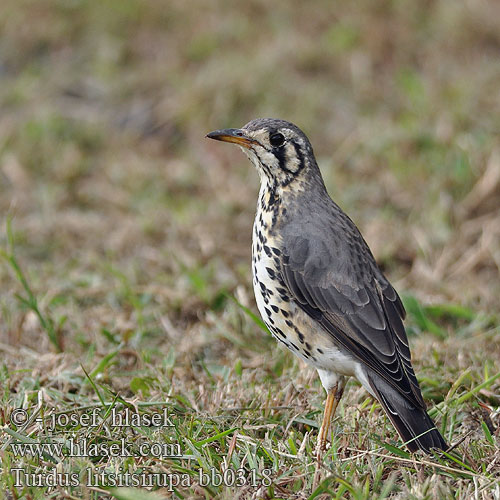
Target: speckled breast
[
  {"x": 287, "y": 322},
  {"x": 278, "y": 310}
]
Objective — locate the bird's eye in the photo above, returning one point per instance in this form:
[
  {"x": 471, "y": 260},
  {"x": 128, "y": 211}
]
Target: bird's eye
[{"x": 277, "y": 139}]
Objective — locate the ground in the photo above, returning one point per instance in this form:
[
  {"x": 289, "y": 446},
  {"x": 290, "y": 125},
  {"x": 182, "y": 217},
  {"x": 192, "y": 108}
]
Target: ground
[{"x": 125, "y": 240}]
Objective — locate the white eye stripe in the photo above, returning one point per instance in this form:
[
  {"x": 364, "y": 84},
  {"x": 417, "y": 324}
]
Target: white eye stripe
[{"x": 292, "y": 160}]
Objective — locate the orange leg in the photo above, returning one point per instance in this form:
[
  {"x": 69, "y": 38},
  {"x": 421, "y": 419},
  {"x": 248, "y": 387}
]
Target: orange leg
[{"x": 332, "y": 401}]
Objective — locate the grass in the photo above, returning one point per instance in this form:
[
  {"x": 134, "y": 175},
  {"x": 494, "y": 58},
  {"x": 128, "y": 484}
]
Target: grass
[{"x": 125, "y": 241}]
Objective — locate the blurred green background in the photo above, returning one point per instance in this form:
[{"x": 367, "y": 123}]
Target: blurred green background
[
  {"x": 103, "y": 162},
  {"x": 130, "y": 227}
]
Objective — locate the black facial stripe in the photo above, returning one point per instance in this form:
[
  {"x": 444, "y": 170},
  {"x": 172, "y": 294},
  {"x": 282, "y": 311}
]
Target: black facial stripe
[
  {"x": 300, "y": 156},
  {"x": 279, "y": 153}
]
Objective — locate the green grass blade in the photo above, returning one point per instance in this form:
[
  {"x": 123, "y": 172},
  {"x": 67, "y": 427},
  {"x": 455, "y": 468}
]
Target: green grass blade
[
  {"x": 475, "y": 390},
  {"x": 214, "y": 438},
  {"x": 92, "y": 383},
  {"x": 250, "y": 314}
]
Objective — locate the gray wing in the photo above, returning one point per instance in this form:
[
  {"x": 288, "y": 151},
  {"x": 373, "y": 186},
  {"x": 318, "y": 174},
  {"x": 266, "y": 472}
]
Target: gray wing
[{"x": 332, "y": 275}]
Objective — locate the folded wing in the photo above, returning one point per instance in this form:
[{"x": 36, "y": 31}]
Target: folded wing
[{"x": 335, "y": 280}]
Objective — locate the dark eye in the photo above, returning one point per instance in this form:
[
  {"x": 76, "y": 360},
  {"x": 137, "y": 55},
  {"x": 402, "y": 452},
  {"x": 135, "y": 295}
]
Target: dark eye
[{"x": 277, "y": 139}]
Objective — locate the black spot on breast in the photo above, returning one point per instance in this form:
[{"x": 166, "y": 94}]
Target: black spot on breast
[
  {"x": 285, "y": 313},
  {"x": 320, "y": 350},
  {"x": 271, "y": 272},
  {"x": 272, "y": 196},
  {"x": 268, "y": 251},
  {"x": 275, "y": 308},
  {"x": 289, "y": 323},
  {"x": 308, "y": 346},
  {"x": 276, "y": 251},
  {"x": 279, "y": 332},
  {"x": 275, "y": 217}
]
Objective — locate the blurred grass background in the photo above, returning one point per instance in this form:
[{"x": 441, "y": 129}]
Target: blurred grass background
[{"x": 131, "y": 229}]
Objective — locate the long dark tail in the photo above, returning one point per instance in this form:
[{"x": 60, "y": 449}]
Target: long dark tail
[{"x": 413, "y": 423}]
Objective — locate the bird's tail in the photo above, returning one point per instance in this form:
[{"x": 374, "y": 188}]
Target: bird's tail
[{"x": 412, "y": 422}]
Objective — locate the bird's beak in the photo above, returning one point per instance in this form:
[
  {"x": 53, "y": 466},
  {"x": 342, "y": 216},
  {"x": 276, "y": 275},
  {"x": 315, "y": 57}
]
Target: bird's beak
[{"x": 236, "y": 135}]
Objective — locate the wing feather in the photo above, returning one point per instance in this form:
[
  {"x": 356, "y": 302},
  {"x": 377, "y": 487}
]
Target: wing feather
[{"x": 337, "y": 282}]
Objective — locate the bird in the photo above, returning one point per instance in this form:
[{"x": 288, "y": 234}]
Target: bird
[{"x": 319, "y": 289}]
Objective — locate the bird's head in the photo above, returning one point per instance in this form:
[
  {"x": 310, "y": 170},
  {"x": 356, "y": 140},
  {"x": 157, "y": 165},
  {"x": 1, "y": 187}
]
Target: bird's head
[{"x": 280, "y": 151}]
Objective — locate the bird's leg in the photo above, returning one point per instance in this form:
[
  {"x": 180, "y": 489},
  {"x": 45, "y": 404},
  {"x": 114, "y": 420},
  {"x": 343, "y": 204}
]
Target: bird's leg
[
  {"x": 325, "y": 424},
  {"x": 332, "y": 401}
]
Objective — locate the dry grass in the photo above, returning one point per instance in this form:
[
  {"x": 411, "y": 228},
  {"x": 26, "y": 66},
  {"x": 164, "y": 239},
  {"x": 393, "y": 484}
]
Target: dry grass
[{"x": 133, "y": 232}]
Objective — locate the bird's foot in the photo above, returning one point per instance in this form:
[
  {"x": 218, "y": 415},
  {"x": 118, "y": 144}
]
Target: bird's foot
[
  {"x": 317, "y": 471},
  {"x": 321, "y": 447}
]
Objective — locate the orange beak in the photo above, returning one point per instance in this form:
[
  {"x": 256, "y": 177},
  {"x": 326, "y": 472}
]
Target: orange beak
[{"x": 235, "y": 135}]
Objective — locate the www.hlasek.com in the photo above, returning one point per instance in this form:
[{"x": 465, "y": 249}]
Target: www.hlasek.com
[
  {"x": 106, "y": 479},
  {"x": 72, "y": 447}
]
